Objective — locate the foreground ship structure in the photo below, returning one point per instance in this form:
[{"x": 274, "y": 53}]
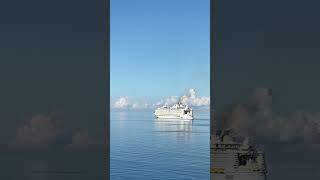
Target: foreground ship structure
[
  {"x": 233, "y": 158},
  {"x": 176, "y": 111}
]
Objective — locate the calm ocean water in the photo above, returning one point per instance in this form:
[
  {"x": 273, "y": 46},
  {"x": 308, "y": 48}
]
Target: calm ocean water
[
  {"x": 52, "y": 164},
  {"x": 145, "y": 148}
]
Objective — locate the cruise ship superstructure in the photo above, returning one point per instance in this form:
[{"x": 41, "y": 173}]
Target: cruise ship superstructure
[
  {"x": 176, "y": 111},
  {"x": 232, "y": 158}
]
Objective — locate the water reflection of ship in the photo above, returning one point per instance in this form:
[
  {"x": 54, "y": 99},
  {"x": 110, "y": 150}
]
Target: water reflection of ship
[
  {"x": 182, "y": 129},
  {"x": 173, "y": 125}
]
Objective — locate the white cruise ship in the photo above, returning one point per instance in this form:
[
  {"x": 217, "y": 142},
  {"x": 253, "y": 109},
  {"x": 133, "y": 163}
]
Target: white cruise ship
[
  {"x": 234, "y": 159},
  {"x": 177, "y": 111}
]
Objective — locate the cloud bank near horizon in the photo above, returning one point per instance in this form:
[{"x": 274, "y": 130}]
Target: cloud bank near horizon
[
  {"x": 261, "y": 123},
  {"x": 43, "y": 130},
  {"x": 126, "y": 103},
  {"x": 40, "y": 130},
  {"x": 190, "y": 99},
  {"x": 81, "y": 138}
]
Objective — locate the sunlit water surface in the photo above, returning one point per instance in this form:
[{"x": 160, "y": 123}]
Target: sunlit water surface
[{"x": 143, "y": 147}]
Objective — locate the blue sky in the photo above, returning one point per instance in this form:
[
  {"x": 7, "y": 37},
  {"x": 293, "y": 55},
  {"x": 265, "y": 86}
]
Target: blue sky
[{"x": 159, "y": 48}]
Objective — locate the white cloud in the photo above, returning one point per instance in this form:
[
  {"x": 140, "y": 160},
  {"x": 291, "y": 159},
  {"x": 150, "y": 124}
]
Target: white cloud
[
  {"x": 261, "y": 122},
  {"x": 190, "y": 99},
  {"x": 40, "y": 130},
  {"x": 81, "y": 138},
  {"x": 122, "y": 103},
  {"x": 139, "y": 105},
  {"x": 168, "y": 101},
  {"x": 171, "y": 100}
]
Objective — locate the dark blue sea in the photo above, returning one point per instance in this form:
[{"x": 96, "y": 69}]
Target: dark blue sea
[{"x": 145, "y": 148}]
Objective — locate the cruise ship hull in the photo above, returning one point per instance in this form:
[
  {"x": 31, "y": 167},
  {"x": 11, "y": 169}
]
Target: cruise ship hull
[
  {"x": 177, "y": 111},
  {"x": 174, "y": 117},
  {"x": 168, "y": 117}
]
